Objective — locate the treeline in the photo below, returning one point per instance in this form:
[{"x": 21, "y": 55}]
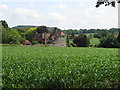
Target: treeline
[
  {"x": 109, "y": 38},
  {"x": 106, "y": 37},
  {"x": 23, "y": 26},
  {"x": 84, "y": 31}
]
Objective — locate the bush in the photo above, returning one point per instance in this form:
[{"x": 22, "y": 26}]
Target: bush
[
  {"x": 30, "y": 34},
  {"x": 91, "y": 45},
  {"x": 109, "y": 42},
  {"x": 35, "y": 42},
  {"x": 73, "y": 45},
  {"x": 96, "y": 35},
  {"x": 47, "y": 45},
  {"x": 42, "y": 29},
  {"x": 11, "y": 36},
  {"x": 118, "y": 38},
  {"x": 82, "y": 41},
  {"x": 101, "y": 34}
]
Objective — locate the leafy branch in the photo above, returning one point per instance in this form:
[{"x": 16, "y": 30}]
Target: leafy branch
[{"x": 107, "y": 2}]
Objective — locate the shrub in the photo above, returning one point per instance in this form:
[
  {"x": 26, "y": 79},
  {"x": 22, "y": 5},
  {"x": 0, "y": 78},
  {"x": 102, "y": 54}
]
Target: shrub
[
  {"x": 81, "y": 41},
  {"x": 11, "y": 36},
  {"x": 91, "y": 45},
  {"x": 96, "y": 35},
  {"x": 35, "y": 42},
  {"x": 109, "y": 42}
]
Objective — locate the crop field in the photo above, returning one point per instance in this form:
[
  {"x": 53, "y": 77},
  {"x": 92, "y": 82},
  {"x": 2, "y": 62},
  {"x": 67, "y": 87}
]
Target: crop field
[{"x": 59, "y": 67}]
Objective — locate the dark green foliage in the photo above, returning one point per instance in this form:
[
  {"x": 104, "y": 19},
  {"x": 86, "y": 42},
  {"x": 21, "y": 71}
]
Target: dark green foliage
[
  {"x": 81, "y": 41},
  {"x": 90, "y": 36},
  {"x": 96, "y": 35},
  {"x": 118, "y": 38},
  {"x": 73, "y": 45},
  {"x": 30, "y": 35},
  {"x": 23, "y": 26},
  {"x": 42, "y": 29},
  {"x": 107, "y": 2},
  {"x": 4, "y": 24},
  {"x": 70, "y": 44},
  {"x": 67, "y": 39},
  {"x": 23, "y": 32},
  {"x": 101, "y": 34},
  {"x": 109, "y": 42},
  {"x": 87, "y": 31},
  {"x": 85, "y": 42},
  {"x": 35, "y": 42},
  {"x": 72, "y": 35},
  {"x": 57, "y": 29},
  {"x": 11, "y": 36}
]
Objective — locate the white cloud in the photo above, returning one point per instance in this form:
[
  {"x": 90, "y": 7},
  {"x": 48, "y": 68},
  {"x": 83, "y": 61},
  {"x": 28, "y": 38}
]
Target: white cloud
[
  {"x": 3, "y": 11},
  {"x": 31, "y": 5},
  {"x": 1, "y": 15},
  {"x": 81, "y": 4},
  {"x": 101, "y": 17},
  {"x": 63, "y": 15},
  {"x": 60, "y": 6},
  {"x": 3, "y": 7},
  {"x": 26, "y": 12},
  {"x": 40, "y": 1},
  {"x": 71, "y": 18},
  {"x": 57, "y": 16}
]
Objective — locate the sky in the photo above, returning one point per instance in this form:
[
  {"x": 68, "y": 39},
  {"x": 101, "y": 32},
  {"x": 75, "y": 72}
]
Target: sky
[{"x": 64, "y": 14}]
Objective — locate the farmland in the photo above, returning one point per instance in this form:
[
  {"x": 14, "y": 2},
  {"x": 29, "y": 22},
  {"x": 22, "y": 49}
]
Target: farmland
[{"x": 51, "y": 67}]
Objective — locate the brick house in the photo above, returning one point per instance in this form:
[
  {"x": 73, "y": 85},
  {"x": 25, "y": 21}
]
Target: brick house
[{"x": 49, "y": 36}]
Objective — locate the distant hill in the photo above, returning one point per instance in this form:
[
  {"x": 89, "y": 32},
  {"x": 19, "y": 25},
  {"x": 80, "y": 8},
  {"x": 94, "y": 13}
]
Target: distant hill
[{"x": 24, "y": 26}]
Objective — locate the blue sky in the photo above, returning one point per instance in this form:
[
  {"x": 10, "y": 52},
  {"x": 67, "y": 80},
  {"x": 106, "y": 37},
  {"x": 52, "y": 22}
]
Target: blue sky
[{"x": 65, "y": 14}]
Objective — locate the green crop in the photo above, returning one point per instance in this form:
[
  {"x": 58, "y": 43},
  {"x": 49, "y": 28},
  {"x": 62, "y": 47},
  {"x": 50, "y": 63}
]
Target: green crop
[{"x": 57, "y": 67}]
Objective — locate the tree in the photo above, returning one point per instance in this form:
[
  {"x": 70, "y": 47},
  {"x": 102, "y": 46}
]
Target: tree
[
  {"x": 81, "y": 41},
  {"x": 30, "y": 34},
  {"x": 118, "y": 38},
  {"x": 101, "y": 34},
  {"x": 23, "y": 31},
  {"x": 107, "y": 2},
  {"x": 109, "y": 42},
  {"x": 57, "y": 29},
  {"x": 67, "y": 40},
  {"x": 11, "y": 36},
  {"x": 42, "y": 29},
  {"x": 4, "y": 24},
  {"x": 97, "y": 35},
  {"x": 72, "y": 35}
]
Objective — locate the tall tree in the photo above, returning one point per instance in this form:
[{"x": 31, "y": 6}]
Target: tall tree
[
  {"x": 109, "y": 42},
  {"x": 4, "y": 23},
  {"x": 81, "y": 41},
  {"x": 42, "y": 29},
  {"x": 118, "y": 38}
]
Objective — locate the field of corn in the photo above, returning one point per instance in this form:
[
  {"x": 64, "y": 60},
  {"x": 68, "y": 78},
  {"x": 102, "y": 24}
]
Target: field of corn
[{"x": 59, "y": 67}]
